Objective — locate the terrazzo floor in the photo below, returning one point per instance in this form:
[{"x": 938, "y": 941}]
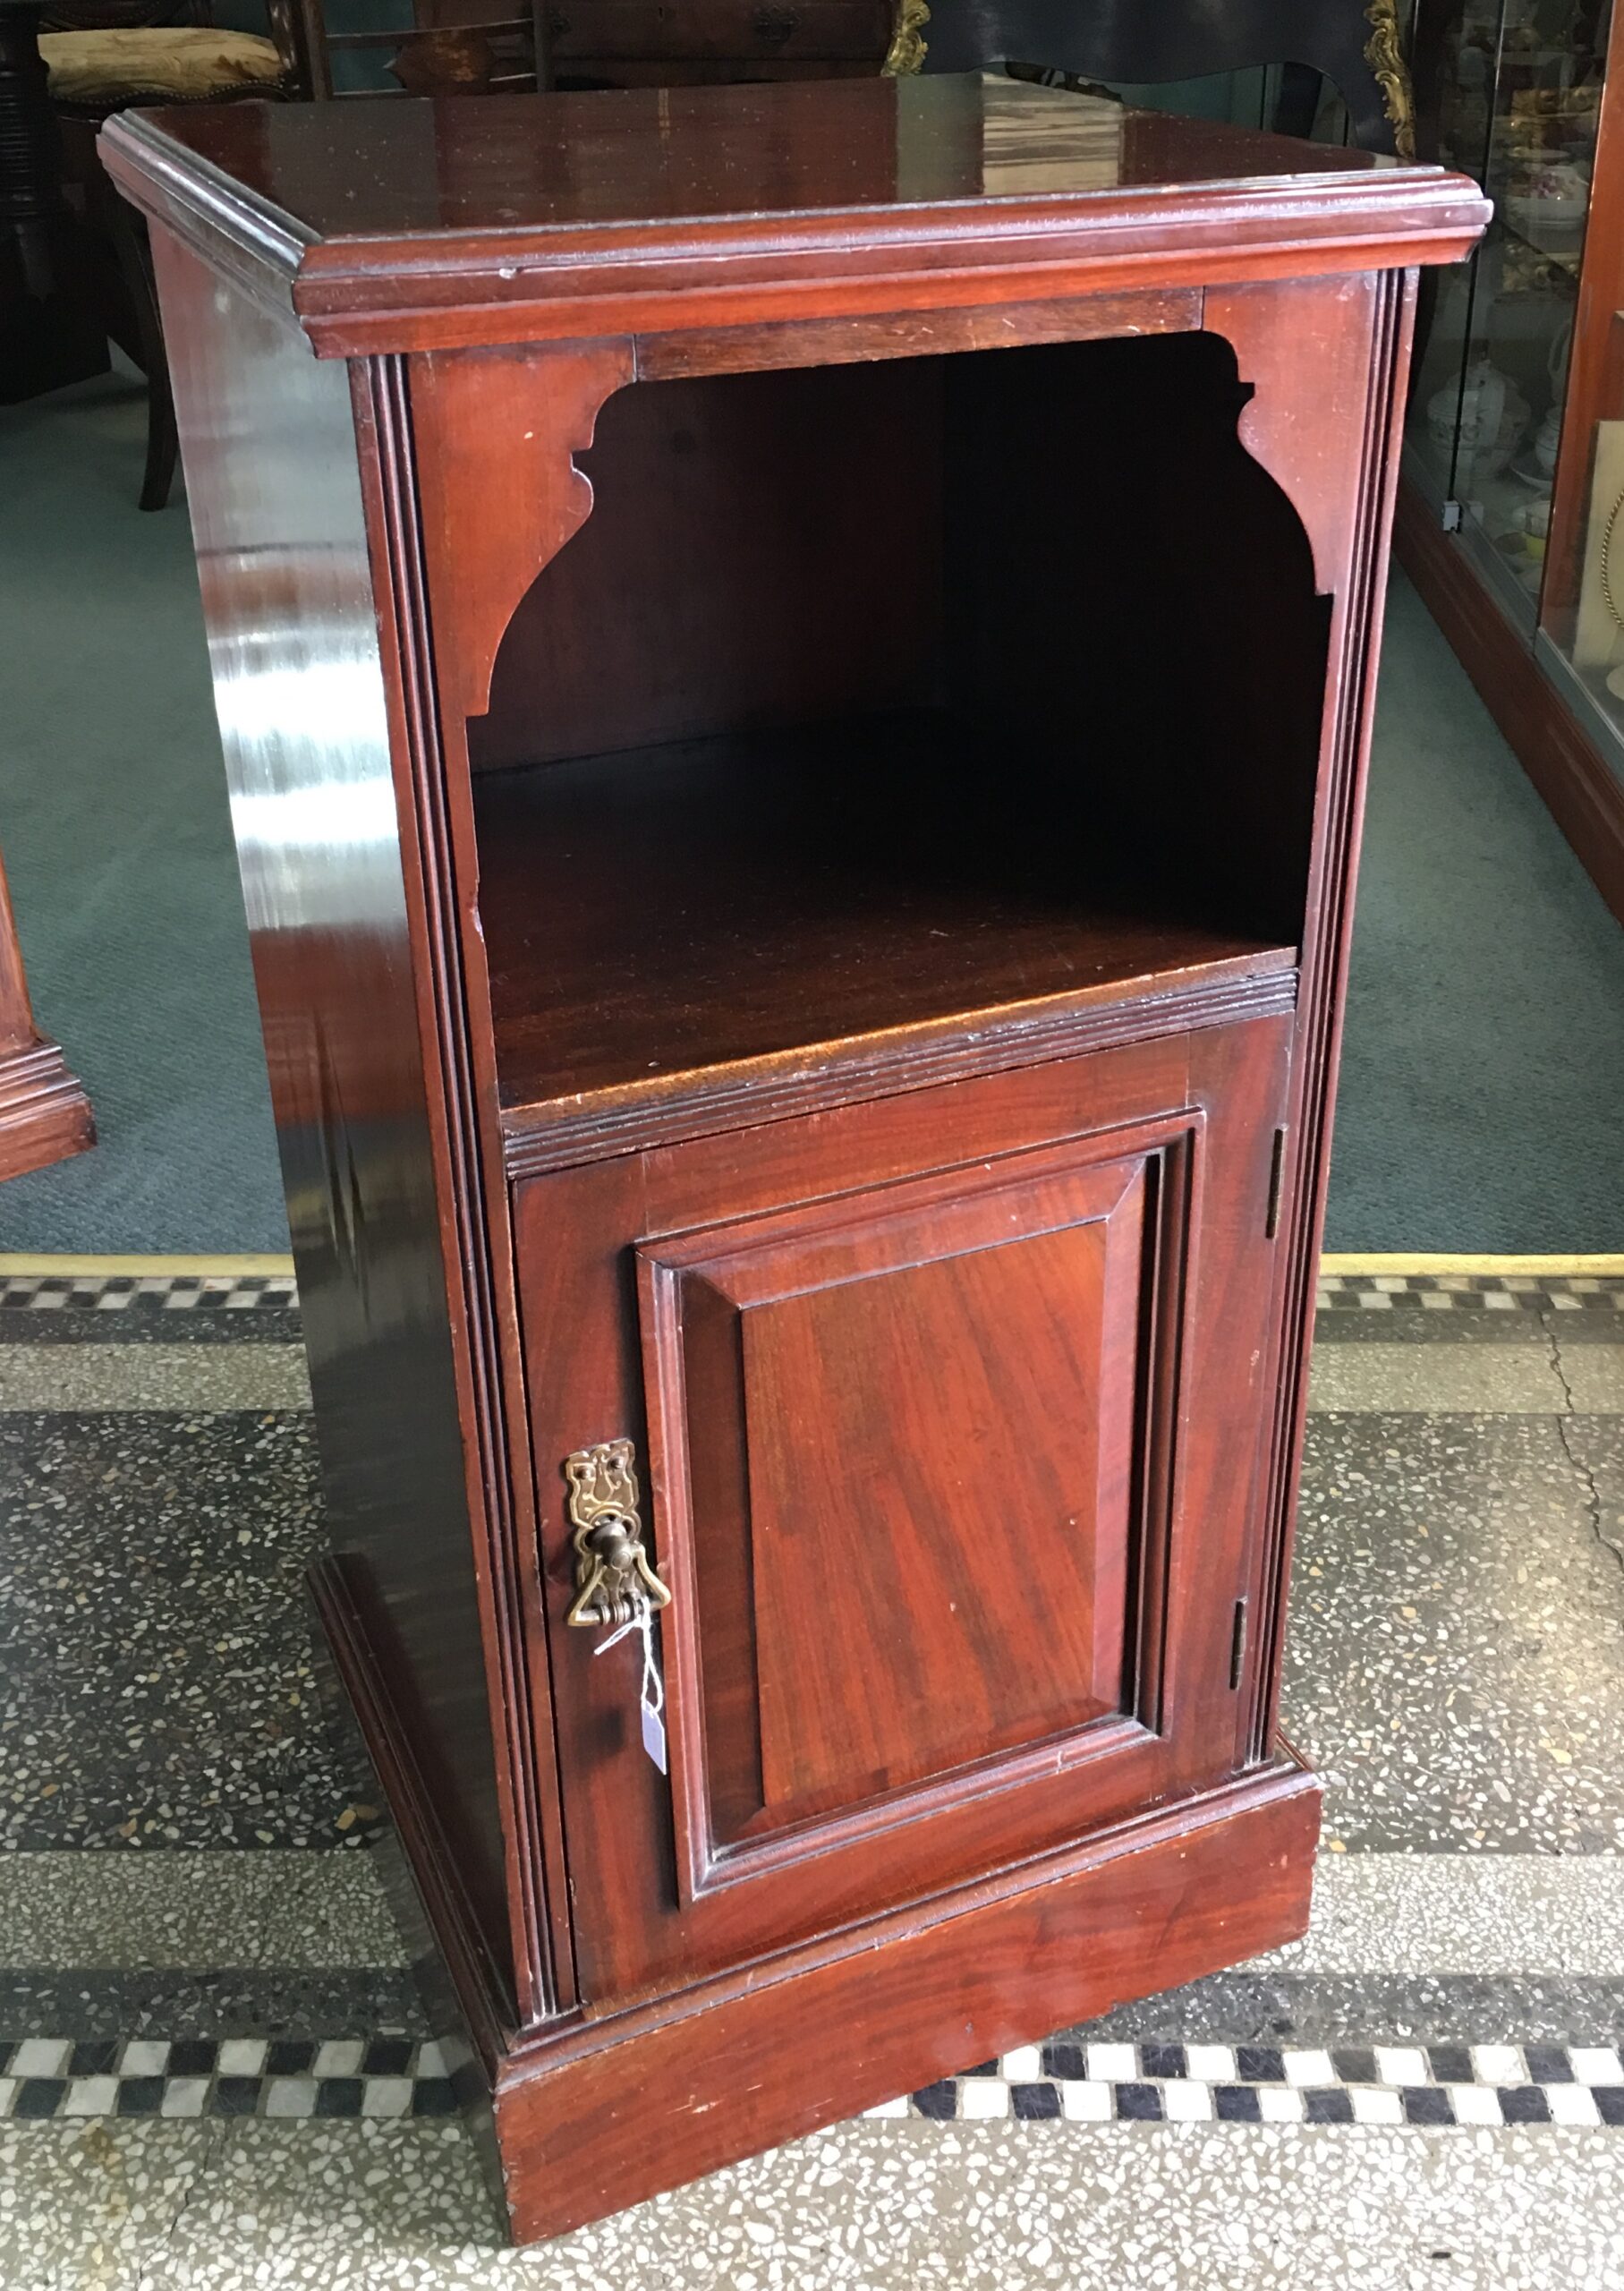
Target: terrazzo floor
[{"x": 213, "y": 2070}]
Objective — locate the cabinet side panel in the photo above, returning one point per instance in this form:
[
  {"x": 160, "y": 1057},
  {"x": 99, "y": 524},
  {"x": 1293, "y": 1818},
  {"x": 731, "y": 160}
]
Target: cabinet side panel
[{"x": 269, "y": 446}]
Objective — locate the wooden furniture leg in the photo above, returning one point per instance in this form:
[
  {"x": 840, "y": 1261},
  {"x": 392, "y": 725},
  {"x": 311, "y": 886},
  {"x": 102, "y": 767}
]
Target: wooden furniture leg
[
  {"x": 127, "y": 231},
  {"x": 45, "y": 1114}
]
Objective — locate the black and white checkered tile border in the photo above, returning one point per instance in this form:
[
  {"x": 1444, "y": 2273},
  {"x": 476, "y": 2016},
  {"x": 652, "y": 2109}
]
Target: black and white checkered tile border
[
  {"x": 44, "y": 2078},
  {"x": 1467, "y": 1292},
  {"x": 148, "y": 1293},
  {"x": 1339, "y": 1292},
  {"x": 1202, "y": 2084}
]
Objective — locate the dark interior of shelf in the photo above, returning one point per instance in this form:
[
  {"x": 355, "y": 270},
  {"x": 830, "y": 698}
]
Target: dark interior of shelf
[
  {"x": 711, "y": 901},
  {"x": 877, "y": 694}
]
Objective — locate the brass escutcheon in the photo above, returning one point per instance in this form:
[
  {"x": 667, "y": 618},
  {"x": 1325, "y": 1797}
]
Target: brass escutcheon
[{"x": 612, "y": 1565}]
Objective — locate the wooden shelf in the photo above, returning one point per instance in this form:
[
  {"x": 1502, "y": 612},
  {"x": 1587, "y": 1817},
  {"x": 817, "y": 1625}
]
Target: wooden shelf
[{"x": 769, "y": 906}]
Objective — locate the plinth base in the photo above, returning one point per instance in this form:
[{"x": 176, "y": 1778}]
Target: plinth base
[
  {"x": 45, "y": 1114},
  {"x": 592, "y": 2114}
]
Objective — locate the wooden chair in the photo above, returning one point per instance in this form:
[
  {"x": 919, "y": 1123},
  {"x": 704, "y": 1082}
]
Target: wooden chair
[
  {"x": 1355, "y": 46},
  {"x": 105, "y": 56}
]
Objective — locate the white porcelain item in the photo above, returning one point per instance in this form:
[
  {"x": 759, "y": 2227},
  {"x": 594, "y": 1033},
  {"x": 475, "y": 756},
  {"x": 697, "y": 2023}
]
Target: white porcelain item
[
  {"x": 1492, "y": 412},
  {"x": 1547, "y": 439}
]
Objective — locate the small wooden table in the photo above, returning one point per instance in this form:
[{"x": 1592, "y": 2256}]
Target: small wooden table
[{"x": 796, "y": 665}]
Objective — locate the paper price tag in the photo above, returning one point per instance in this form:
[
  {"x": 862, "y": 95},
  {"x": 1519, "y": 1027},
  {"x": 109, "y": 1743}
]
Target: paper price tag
[
  {"x": 654, "y": 1735},
  {"x": 652, "y": 1693}
]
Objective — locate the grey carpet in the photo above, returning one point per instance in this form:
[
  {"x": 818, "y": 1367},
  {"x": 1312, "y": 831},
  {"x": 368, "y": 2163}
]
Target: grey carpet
[
  {"x": 1482, "y": 1098},
  {"x": 1483, "y": 1078},
  {"x": 117, "y": 841}
]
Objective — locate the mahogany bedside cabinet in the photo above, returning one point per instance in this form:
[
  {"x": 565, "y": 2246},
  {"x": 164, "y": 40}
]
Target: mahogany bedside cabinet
[{"x": 796, "y": 665}]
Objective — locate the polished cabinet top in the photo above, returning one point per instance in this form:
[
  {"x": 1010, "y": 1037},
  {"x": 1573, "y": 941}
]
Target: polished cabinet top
[
  {"x": 401, "y": 207},
  {"x": 491, "y": 162}
]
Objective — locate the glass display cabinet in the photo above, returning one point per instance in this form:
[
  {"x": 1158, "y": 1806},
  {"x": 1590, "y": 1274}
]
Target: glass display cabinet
[{"x": 1514, "y": 458}]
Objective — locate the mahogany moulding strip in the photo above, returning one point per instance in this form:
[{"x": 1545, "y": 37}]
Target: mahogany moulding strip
[
  {"x": 548, "y": 1136},
  {"x": 479, "y": 219}
]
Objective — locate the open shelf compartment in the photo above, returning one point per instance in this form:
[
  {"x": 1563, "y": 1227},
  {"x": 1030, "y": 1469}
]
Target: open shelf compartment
[{"x": 887, "y": 704}]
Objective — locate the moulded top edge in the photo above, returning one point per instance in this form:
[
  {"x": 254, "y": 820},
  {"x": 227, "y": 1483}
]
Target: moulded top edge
[{"x": 417, "y": 205}]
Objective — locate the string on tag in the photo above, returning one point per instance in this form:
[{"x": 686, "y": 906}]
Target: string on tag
[
  {"x": 652, "y": 1693},
  {"x": 639, "y": 1622}
]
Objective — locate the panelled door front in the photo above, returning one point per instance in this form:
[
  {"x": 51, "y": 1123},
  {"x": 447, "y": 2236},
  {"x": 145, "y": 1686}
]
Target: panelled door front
[{"x": 911, "y": 1391}]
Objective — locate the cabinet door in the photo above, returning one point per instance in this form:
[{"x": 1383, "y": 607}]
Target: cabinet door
[{"x": 947, "y": 1414}]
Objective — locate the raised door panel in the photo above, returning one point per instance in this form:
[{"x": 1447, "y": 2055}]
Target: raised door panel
[
  {"x": 951, "y": 1411},
  {"x": 896, "y": 1434}
]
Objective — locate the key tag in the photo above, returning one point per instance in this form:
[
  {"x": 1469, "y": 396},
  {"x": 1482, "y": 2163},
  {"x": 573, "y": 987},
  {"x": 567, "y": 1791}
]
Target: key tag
[{"x": 652, "y": 1693}]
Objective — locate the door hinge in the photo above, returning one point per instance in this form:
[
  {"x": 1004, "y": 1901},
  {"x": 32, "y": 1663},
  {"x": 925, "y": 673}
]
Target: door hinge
[
  {"x": 1238, "y": 1646},
  {"x": 1277, "y": 1180}
]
